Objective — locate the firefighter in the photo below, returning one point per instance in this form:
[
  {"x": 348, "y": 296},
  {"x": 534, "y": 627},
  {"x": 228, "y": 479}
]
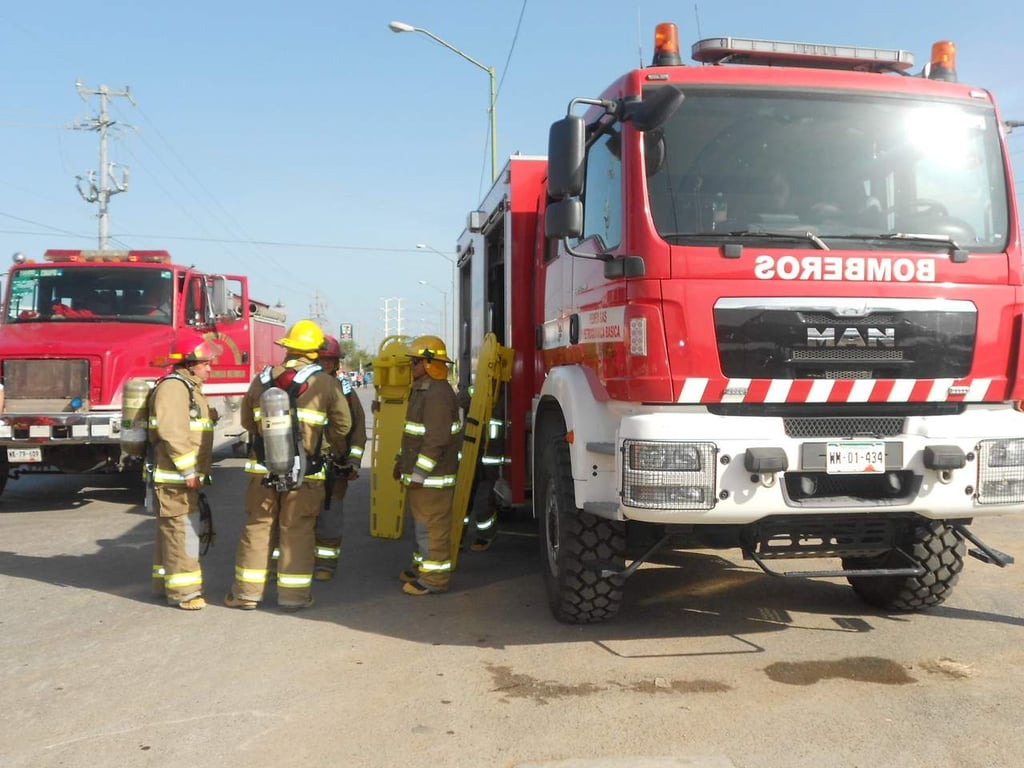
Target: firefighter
[
  {"x": 287, "y": 503},
  {"x": 427, "y": 465},
  {"x": 341, "y": 470},
  {"x": 180, "y": 454}
]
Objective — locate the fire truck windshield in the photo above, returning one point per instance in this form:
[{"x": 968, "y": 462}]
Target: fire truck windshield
[
  {"x": 90, "y": 294},
  {"x": 829, "y": 164}
]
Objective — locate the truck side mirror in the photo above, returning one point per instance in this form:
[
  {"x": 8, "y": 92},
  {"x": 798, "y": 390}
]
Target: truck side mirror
[
  {"x": 565, "y": 157},
  {"x": 219, "y": 296},
  {"x": 564, "y": 219}
]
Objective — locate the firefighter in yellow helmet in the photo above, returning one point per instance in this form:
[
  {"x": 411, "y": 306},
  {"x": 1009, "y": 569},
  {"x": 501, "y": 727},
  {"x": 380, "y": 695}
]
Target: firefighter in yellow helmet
[
  {"x": 180, "y": 454},
  {"x": 287, "y": 502},
  {"x": 341, "y": 470},
  {"x": 427, "y": 465}
]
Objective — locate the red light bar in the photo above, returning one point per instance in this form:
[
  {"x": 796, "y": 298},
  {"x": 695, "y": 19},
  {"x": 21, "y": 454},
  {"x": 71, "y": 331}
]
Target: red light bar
[
  {"x": 779, "y": 53},
  {"x": 148, "y": 257}
]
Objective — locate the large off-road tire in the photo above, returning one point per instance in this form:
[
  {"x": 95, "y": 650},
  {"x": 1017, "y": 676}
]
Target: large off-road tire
[
  {"x": 571, "y": 541},
  {"x": 934, "y": 546}
]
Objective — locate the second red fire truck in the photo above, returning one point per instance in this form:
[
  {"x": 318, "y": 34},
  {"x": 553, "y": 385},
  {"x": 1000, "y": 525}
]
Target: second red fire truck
[
  {"x": 78, "y": 325},
  {"x": 770, "y": 301}
]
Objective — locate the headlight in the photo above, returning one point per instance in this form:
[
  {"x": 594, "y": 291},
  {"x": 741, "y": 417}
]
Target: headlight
[
  {"x": 1005, "y": 453},
  {"x": 662, "y": 457},
  {"x": 668, "y": 475}
]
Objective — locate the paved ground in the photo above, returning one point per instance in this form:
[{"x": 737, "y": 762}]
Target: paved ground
[{"x": 709, "y": 665}]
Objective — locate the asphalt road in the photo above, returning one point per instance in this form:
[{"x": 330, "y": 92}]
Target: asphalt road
[{"x": 710, "y": 664}]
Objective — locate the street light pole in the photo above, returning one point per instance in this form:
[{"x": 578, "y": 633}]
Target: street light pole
[
  {"x": 444, "y": 305},
  {"x": 454, "y": 341},
  {"x": 401, "y": 26}
]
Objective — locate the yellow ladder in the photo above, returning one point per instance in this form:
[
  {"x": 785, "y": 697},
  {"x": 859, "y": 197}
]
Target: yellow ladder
[
  {"x": 493, "y": 367},
  {"x": 392, "y": 379}
]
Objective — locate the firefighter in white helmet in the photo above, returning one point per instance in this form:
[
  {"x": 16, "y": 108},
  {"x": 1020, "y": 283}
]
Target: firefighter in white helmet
[
  {"x": 427, "y": 465},
  {"x": 287, "y": 503},
  {"x": 180, "y": 454},
  {"x": 341, "y": 470}
]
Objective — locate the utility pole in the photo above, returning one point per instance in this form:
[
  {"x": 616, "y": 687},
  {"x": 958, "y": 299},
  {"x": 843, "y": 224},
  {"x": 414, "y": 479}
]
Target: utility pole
[
  {"x": 392, "y": 315},
  {"x": 318, "y": 310},
  {"x": 102, "y": 183}
]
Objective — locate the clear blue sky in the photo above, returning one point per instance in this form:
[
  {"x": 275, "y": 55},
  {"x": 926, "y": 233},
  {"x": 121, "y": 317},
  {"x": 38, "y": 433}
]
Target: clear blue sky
[{"x": 308, "y": 146}]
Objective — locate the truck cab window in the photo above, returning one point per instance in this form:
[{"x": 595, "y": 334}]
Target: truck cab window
[{"x": 602, "y": 200}]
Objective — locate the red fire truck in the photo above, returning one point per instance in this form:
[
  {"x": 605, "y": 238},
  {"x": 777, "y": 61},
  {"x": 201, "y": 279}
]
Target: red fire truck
[
  {"x": 771, "y": 301},
  {"x": 79, "y": 324}
]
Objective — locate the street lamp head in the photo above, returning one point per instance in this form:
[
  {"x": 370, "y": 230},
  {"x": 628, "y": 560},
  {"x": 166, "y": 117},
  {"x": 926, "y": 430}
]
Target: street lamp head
[
  {"x": 422, "y": 245},
  {"x": 400, "y": 26}
]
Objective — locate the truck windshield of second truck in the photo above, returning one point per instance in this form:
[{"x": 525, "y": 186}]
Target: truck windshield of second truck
[
  {"x": 848, "y": 166},
  {"x": 90, "y": 294}
]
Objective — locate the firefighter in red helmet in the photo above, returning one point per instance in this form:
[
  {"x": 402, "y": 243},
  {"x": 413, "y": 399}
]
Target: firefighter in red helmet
[
  {"x": 315, "y": 413},
  {"x": 180, "y": 454},
  {"x": 427, "y": 465},
  {"x": 341, "y": 469}
]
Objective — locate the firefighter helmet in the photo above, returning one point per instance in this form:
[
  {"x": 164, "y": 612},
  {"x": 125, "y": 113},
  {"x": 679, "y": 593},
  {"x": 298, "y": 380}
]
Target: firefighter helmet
[
  {"x": 331, "y": 349},
  {"x": 192, "y": 347},
  {"x": 304, "y": 336},
  {"x": 433, "y": 352},
  {"x": 430, "y": 348}
]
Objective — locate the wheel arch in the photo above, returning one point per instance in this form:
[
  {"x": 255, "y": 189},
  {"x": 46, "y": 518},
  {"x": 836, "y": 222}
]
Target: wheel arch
[{"x": 573, "y": 401}]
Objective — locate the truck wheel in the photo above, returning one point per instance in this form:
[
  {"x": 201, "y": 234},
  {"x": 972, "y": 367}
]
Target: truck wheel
[
  {"x": 572, "y": 540},
  {"x": 930, "y": 544}
]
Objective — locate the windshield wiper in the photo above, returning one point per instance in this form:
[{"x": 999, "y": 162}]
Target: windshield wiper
[
  {"x": 956, "y": 253},
  {"x": 790, "y": 236}
]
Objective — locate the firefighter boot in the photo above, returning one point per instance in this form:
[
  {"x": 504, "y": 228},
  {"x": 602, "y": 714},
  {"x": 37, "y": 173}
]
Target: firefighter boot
[{"x": 236, "y": 602}]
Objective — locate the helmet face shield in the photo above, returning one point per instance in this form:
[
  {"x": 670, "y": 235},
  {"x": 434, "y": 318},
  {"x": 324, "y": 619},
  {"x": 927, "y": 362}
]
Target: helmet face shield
[
  {"x": 192, "y": 347},
  {"x": 206, "y": 352}
]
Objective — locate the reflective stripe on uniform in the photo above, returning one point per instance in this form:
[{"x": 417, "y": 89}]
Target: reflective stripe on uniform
[
  {"x": 425, "y": 463},
  {"x": 186, "y": 460},
  {"x": 356, "y": 452},
  {"x": 170, "y": 477},
  {"x": 436, "y": 566},
  {"x": 159, "y": 572},
  {"x": 486, "y": 525},
  {"x": 414, "y": 428},
  {"x": 439, "y": 481},
  {"x": 327, "y": 553},
  {"x": 186, "y": 579},
  {"x": 255, "y": 467},
  {"x": 456, "y": 427},
  {"x": 294, "y": 580},
  {"x": 251, "y": 575},
  {"x": 309, "y": 416}
]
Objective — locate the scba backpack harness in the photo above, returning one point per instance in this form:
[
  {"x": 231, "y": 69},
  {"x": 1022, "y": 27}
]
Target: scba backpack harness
[
  {"x": 279, "y": 446},
  {"x": 207, "y": 534}
]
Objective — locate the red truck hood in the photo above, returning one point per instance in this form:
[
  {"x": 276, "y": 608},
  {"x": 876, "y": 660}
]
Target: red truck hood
[
  {"x": 75, "y": 339},
  {"x": 116, "y": 351}
]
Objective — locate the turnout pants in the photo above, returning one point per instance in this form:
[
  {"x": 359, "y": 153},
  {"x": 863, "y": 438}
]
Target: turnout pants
[
  {"x": 328, "y": 529},
  {"x": 176, "y": 571},
  {"x": 294, "y": 515},
  {"x": 431, "y": 510}
]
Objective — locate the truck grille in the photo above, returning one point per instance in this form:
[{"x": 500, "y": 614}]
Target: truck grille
[
  {"x": 47, "y": 386},
  {"x": 843, "y": 338},
  {"x": 843, "y": 426}
]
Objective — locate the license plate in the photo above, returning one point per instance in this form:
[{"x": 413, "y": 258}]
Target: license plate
[
  {"x": 25, "y": 455},
  {"x": 855, "y": 457}
]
